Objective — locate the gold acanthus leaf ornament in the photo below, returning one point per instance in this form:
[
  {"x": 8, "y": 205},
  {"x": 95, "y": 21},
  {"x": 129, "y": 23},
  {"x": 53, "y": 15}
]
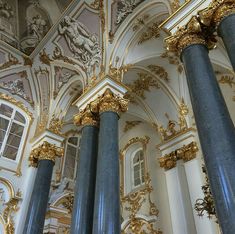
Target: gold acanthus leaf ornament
[
  {"x": 131, "y": 124},
  {"x": 143, "y": 84},
  {"x": 12, "y": 60},
  {"x": 216, "y": 11},
  {"x": 190, "y": 34},
  {"x": 56, "y": 125},
  {"x": 186, "y": 153},
  {"x": 112, "y": 102},
  {"x": 152, "y": 32},
  {"x": 88, "y": 116},
  {"x": 45, "y": 151}
]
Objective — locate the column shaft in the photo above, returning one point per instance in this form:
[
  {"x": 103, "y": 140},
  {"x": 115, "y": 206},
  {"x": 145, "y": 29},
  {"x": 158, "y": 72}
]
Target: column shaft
[
  {"x": 39, "y": 198},
  {"x": 107, "y": 198},
  {"x": 216, "y": 131},
  {"x": 82, "y": 216},
  {"x": 226, "y": 31}
]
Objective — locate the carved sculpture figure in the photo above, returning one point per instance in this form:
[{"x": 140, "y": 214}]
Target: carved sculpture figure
[
  {"x": 84, "y": 45},
  {"x": 37, "y": 27}
]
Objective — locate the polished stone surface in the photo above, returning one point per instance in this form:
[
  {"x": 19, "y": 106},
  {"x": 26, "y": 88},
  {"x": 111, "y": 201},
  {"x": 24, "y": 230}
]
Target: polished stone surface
[
  {"x": 39, "y": 199},
  {"x": 84, "y": 192},
  {"x": 226, "y": 31},
  {"x": 216, "y": 132},
  {"x": 107, "y": 199}
]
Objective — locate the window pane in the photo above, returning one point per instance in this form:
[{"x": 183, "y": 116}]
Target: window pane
[
  {"x": 73, "y": 140},
  {"x": 141, "y": 155},
  {"x": 6, "y": 110},
  {"x": 137, "y": 182},
  {"x": 13, "y": 140},
  {"x": 4, "y": 123},
  {"x": 69, "y": 166},
  {"x": 17, "y": 129},
  {"x": 2, "y": 134},
  {"x": 19, "y": 117},
  {"x": 10, "y": 152}
]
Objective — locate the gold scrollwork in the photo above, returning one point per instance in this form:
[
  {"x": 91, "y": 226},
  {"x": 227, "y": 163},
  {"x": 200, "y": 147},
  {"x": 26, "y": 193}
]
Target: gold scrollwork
[
  {"x": 186, "y": 153},
  {"x": 45, "y": 151},
  {"x": 56, "y": 125}
]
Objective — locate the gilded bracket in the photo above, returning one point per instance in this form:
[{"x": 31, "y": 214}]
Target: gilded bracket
[{"x": 186, "y": 153}]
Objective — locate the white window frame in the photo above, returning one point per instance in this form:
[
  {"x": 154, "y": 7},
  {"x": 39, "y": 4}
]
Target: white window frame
[
  {"x": 23, "y": 138},
  {"x": 76, "y": 159},
  {"x": 132, "y": 169}
]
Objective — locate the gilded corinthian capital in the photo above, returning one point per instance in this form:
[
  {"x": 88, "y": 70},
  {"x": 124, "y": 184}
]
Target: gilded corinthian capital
[
  {"x": 112, "y": 102},
  {"x": 89, "y": 116},
  {"x": 45, "y": 151},
  {"x": 216, "y": 11},
  {"x": 191, "y": 33}
]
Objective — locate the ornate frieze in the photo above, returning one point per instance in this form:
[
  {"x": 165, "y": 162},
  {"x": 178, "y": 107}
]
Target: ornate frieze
[
  {"x": 45, "y": 151},
  {"x": 186, "y": 153}
]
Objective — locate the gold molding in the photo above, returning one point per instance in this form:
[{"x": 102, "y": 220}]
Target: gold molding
[{"x": 186, "y": 153}]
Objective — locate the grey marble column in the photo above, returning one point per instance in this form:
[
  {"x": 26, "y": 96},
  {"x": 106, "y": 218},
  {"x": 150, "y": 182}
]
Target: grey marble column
[
  {"x": 226, "y": 30},
  {"x": 84, "y": 192},
  {"x": 107, "y": 199},
  {"x": 39, "y": 199},
  {"x": 216, "y": 132}
]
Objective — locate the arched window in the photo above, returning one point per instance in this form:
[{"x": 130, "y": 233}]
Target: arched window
[
  {"x": 13, "y": 126},
  {"x": 138, "y": 168},
  {"x": 71, "y": 158}
]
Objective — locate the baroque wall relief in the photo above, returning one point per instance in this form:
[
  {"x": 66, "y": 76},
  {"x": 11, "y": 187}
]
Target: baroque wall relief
[
  {"x": 80, "y": 38},
  {"x": 18, "y": 84},
  {"x": 9, "y": 205}
]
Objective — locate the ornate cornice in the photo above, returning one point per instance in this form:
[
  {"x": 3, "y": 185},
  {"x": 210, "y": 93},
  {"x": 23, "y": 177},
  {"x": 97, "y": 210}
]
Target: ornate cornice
[
  {"x": 89, "y": 116},
  {"x": 112, "y": 102},
  {"x": 45, "y": 151},
  {"x": 186, "y": 153},
  {"x": 216, "y": 12}
]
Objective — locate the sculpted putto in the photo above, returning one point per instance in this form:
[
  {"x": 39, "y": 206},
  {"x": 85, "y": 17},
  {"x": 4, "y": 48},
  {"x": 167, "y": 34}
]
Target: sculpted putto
[{"x": 85, "y": 46}]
